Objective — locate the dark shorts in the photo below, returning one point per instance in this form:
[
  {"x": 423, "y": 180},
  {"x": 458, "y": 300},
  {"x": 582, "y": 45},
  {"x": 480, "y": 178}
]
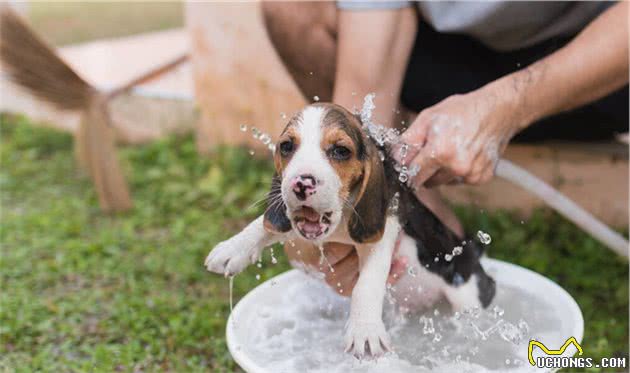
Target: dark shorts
[{"x": 445, "y": 64}]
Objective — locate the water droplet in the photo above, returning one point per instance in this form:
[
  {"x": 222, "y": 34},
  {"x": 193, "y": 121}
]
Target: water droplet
[
  {"x": 403, "y": 151},
  {"x": 411, "y": 271},
  {"x": 436, "y": 259},
  {"x": 448, "y": 257},
  {"x": 413, "y": 171},
  {"x": 315, "y": 98},
  {"x": 437, "y": 337},
  {"x": 394, "y": 203},
  {"x": 436, "y": 312},
  {"x": 381, "y": 155},
  {"x": 427, "y": 323},
  {"x": 255, "y": 133},
  {"x": 310, "y": 73},
  {"x": 403, "y": 177},
  {"x": 251, "y": 152},
  {"x": 497, "y": 312},
  {"x": 272, "y": 147},
  {"x": 265, "y": 139},
  {"x": 273, "y": 257},
  {"x": 484, "y": 237},
  {"x": 507, "y": 361},
  {"x": 457, "y": 250},
  {"x": 243, "y": 127},
  {"x": 339, "y": 284},
  {"x": 259, "y": 265},
  {"x": 258, "y": 277}
]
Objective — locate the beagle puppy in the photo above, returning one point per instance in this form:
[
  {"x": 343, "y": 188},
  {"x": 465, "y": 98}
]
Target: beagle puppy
[{"x": 331, "y": 185}]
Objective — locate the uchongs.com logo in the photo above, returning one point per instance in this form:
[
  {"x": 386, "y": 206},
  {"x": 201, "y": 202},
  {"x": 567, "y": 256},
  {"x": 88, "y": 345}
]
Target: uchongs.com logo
[{"x": 554, "y": 359}]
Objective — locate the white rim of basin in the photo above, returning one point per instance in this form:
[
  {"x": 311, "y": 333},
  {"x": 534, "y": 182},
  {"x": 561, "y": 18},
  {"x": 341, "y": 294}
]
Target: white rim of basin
[{"x": 501, "y": 271}]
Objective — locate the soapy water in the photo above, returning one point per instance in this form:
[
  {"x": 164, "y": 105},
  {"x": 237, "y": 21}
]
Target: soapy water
[{"x": 302, "y": 330}]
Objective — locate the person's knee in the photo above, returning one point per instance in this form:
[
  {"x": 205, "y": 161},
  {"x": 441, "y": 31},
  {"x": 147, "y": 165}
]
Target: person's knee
[
  {"x": 281, "y": 19},
  {"x": 288, "y": 24}
]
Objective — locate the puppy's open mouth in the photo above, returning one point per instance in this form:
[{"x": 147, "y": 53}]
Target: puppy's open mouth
[{"x": 310, "y": 223}]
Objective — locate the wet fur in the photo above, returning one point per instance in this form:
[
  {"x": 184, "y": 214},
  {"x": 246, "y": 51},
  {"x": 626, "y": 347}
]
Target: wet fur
[{"x": 434, "y": 239}]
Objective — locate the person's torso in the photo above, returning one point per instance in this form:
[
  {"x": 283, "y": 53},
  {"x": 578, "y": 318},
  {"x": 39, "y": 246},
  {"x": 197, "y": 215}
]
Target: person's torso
[{"x": 510, "y": 25}]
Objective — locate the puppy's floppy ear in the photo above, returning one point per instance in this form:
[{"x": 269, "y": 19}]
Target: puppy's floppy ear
[
  {"x": 276, "y": 220},
  {"x": 368, "y": 220}
]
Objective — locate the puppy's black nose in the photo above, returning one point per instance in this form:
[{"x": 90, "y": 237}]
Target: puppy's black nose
[{"x": 303, "y": 186}]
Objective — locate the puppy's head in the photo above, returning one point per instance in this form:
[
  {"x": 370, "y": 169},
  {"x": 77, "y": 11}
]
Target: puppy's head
[{"x": 327, "y": 172}]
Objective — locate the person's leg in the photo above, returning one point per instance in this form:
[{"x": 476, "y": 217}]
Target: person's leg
[{"x": 303, "y": 34}]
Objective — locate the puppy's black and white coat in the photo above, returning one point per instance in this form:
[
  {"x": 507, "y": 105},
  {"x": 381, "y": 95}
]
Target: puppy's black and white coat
[{"x": 331, "y": 186}]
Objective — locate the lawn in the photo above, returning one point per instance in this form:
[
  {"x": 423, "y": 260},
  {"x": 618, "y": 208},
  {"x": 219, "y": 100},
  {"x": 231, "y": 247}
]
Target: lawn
[{"x": 83, "y": 291}]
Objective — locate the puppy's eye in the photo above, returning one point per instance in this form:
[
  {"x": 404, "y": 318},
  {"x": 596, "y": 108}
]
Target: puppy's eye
[
  {"x": 340, "y": 152},
  {"x": 286, "y": 148}
]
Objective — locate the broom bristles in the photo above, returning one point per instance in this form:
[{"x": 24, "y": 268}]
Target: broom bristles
[{"x": 33, "y": 65}]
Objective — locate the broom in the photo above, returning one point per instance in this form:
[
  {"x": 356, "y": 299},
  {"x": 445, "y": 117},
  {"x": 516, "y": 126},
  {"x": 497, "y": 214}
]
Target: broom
[{"x": 33, "y": 65}]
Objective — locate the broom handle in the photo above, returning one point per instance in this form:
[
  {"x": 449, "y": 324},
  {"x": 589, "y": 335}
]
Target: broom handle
[{"x": 147, "y": 76}]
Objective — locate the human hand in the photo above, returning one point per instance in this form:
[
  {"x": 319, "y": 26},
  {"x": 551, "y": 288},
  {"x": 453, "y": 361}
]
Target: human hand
[
  {"x": 344, "y": 262},
  {"x": 459, "y": 139}
]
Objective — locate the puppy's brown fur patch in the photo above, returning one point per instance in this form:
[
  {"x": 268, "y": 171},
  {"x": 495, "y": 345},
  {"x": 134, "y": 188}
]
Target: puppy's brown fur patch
[{"x": 362, "y": 173}]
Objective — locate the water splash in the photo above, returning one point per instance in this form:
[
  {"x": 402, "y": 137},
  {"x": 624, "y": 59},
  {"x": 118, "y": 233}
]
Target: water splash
[{"x": 231, "y": 280}]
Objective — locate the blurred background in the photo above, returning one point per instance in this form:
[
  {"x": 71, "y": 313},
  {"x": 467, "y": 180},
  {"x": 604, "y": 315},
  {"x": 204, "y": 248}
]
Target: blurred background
[{"x": 89, "y": 290}]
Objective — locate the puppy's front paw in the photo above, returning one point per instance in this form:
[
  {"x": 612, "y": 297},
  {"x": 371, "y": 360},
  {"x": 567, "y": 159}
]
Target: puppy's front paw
[
  {"x": 365, "y": 339},
  {"x": 229, "y": 258}
]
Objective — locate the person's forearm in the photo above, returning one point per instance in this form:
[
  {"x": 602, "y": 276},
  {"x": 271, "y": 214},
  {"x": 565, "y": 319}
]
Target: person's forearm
[
  {"x": 372, "y": 54},
  {"x": 591, "y": 66}
]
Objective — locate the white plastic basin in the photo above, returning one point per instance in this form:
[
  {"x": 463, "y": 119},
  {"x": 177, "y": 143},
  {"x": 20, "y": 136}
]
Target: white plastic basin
[{"x": 295, "y": 323}]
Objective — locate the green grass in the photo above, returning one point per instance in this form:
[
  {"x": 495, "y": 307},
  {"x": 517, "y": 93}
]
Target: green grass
[
  {"x": 72, "y": 22},
  {"x": 83, "y": 291}
]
